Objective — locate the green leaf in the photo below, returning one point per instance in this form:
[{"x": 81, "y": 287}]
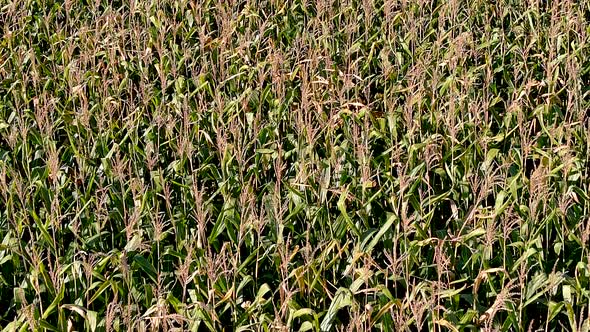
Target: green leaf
[
  {"x": 100, "y": 290},
  {"x": 500, "y": 204},
  {"x": 342, "y": 208},
  {"x": 54, "y": 304},
  {"x": 146, "y": 266},
  {"x": 76, "y": 308},
  {"x": 44, "y": 324},
  {"x": 386, "y": 227},
  {"x": 306, "y": 326},
  {"x": 261, "y": 292},
  {"x": 304, "y": 311},
  {"x": 554, "y": 309},
  {"x": 343, "y": 298},
  {"x": 91, "y": 317},
  {"x": 571, "y": 316},
  {"x": 474, "y": 233},
  {"x": 43, "y": 228}
]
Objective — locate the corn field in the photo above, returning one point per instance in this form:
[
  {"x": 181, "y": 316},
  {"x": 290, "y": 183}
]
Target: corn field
[{"x": 294, "y": 165}]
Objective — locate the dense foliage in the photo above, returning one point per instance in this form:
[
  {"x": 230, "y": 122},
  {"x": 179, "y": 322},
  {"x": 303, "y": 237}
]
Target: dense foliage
[{"x": 244, "y": 165}]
